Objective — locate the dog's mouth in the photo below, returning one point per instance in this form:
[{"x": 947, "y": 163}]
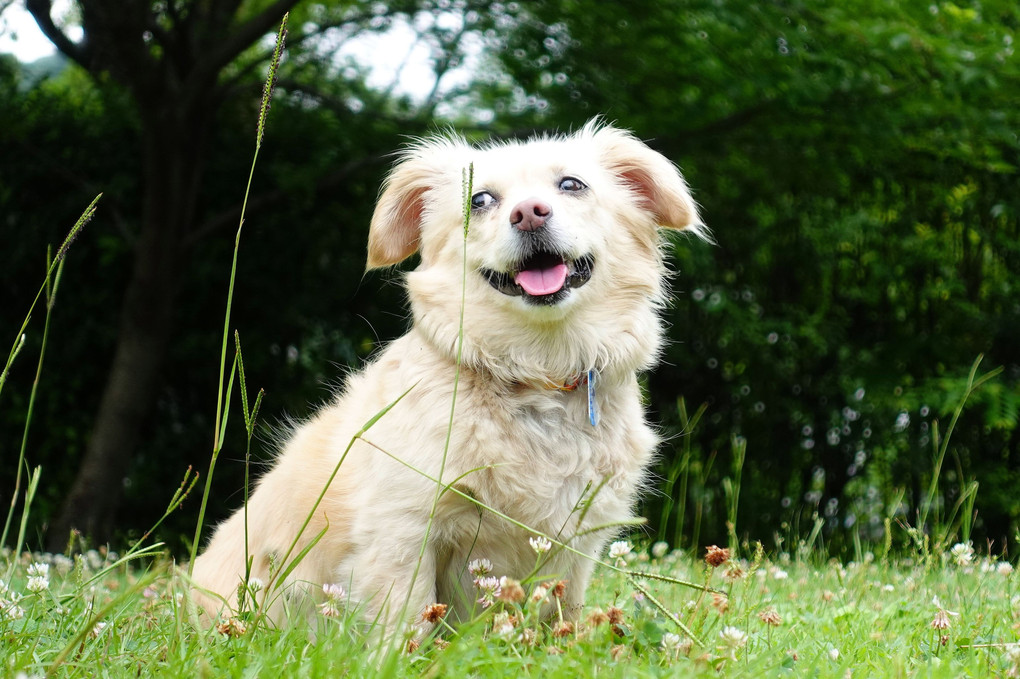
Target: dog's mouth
[{"x": 542, "y": 278}]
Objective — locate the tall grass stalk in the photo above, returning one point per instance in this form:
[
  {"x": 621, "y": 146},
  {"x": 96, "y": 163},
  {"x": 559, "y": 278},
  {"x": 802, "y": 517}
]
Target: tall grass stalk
[
  {"x": 942, "y": 531},
  {"x": 680, "y": 469},
  {"x": 250, "y": 417},
  {"x": 54, "y": 269},
  {"x": 221, "y": 401},
  {"x": 19, "y": 338},
  {"x": 50, "y": 286},
  {"x": 704, "y": 468},
  {"x": 731, "y": 488}
]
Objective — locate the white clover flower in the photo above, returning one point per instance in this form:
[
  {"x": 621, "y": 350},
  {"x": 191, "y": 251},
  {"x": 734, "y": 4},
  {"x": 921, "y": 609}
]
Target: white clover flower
[
  {"x": 332, "y": 606},
  {"x": 255, "y": 585},
  {"x": 93, "y": 559},
  {"x": 502, "y": 625},
  {"x": 619, "y": 549},
  {"x": 660, "y": 549},
  {"x": 540, "y": 544},
  {"x": 10, "y": 610},
  {"x": 490, "y": 589},
  {"x": 63, "y": 564},
  {"x": 37, "y": 584},
  {"x": 941, "y": 619},
  {"x": 1004, "y": 568},
  {"x": 539, "y": 593},
  {"x": 330, "y": 609},
  {"x": 779, "y": 574},
  {"x": 733, "y": 637},
  {"x": 670, "y": 641},
  {"x": 962, "y": 553},
  {"x": 334, "y": 592},
  {"x": 834, "y": 653},
  {"x": 528, "y": 636},
  {"x": 39, "y": 570},
  {"x": 480, "y": 567}
]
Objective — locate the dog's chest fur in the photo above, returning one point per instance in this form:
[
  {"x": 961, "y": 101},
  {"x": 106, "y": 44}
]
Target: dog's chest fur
[{"x": 529, "y": 453}]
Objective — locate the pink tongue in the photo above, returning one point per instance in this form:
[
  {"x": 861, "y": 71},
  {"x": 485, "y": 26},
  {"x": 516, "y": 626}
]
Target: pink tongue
[{"x": 542, "y": 281}]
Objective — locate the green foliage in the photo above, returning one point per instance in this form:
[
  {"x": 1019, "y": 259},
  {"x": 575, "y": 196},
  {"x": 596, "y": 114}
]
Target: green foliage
[{"x": 857, "y": 163}]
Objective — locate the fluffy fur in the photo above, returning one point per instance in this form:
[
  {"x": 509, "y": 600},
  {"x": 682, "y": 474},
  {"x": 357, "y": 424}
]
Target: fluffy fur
[{"x": 518, "y": 444}]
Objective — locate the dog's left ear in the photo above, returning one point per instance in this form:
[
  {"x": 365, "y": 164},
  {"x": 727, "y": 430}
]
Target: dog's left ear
[{"x": 651, "y": 175}]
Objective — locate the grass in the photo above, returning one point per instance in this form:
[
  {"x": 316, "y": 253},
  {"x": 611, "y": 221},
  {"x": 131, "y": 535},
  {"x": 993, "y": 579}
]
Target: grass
[
  {"x": 936, "y": 610},
  {"x": 766, "y": 617}
]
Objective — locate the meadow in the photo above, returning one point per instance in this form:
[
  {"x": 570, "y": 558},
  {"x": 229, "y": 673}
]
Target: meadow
[{"x": 955, "y": 615}]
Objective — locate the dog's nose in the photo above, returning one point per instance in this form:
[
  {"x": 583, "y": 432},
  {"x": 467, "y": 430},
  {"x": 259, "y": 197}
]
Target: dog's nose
[{"x": 530, "y": 214}]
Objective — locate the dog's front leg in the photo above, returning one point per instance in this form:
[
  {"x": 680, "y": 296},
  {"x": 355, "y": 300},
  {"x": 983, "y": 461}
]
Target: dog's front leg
[
  {"x": 393, "y": 582},
  {"x": 578, "y": 576}
]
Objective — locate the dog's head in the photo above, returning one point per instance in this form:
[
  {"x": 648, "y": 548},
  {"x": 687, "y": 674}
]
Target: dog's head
[{"x": 562, "y": 251}]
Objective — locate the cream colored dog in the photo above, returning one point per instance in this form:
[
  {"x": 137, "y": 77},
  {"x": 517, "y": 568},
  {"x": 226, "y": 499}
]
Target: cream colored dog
[{"x": 563, "y": 280}]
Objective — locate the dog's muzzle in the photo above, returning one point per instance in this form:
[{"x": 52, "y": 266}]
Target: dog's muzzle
[{"x": 544, "y": 277}]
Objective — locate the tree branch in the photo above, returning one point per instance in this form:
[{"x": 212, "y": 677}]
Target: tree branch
[
  {"x": 243, "y": 37},
  {"x": 77, "y": 52}
]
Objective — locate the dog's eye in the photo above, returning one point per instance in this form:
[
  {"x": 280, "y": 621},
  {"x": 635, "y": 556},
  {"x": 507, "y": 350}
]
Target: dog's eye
[
  {"x": 571, "y": 184},
  {"x": 482, "y": 200}
]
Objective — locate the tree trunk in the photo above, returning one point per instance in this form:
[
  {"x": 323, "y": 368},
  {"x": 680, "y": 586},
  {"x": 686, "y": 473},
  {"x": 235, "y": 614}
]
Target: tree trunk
[{"x": 172, "y": 165}]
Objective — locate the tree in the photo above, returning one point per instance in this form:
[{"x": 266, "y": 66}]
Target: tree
[
  {"x": 170, "y": 59},
  {"x": 178, "y": 64}
]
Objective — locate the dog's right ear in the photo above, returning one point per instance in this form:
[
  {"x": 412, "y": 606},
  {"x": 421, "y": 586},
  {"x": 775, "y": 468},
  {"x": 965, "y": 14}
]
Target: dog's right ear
[
  {"x": 396, "y": 222},
  {"x": 395, "y": 233}
]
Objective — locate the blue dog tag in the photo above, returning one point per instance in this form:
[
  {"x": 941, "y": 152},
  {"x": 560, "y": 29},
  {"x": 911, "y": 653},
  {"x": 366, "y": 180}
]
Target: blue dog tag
[{"x": 593, "y": 406}]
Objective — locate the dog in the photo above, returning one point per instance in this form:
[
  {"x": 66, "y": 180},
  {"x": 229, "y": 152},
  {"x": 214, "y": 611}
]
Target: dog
[{"x": 510, "y": 410}]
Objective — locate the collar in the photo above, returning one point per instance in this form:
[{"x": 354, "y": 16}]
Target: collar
[
  {"x": 585, "y": 380},
  {"x": 569, "y": 385}
]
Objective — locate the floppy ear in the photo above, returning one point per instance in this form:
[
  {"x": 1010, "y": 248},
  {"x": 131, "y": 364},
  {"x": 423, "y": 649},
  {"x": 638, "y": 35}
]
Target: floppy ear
[
  {"x": 395, "y": 232},
  {"x": 396, "y": 222},
  {"x": 653, "y": 178}
]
